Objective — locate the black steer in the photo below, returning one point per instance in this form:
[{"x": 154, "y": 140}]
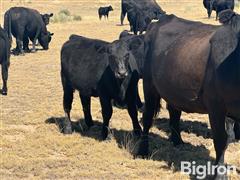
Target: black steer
[{"x": 24, "y": 23}]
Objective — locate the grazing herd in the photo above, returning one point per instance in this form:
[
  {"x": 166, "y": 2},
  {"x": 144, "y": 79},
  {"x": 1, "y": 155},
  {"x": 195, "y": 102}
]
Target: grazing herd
[{"x": 205, "y": 59}]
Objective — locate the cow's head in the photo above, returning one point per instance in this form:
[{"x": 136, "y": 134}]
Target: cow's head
[
  {"x": 110, "y": 8},
  {"x": 46, "y": 18},
  {"x": 228, "y": 17},
  {"x": 45, "y": 39}
]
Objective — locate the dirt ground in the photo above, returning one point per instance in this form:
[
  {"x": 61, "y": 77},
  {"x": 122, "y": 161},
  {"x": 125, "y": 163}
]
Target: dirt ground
[{"x": 31, "y": 144}]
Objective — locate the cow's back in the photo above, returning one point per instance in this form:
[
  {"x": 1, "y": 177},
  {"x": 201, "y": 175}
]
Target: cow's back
[{"x": 82, "y": 63}]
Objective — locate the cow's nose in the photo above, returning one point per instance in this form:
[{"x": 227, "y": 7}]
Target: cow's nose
[{"x": 122, "y": 73}]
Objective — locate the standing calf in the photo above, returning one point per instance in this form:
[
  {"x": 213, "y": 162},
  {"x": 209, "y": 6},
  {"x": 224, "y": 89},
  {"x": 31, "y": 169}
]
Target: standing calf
[
  {"x": 100, "y": 69},
  {"x": 104, "y": 11}
]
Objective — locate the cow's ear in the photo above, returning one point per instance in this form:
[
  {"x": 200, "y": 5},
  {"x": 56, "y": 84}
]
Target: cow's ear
[
  {"x": 51, "y": 15},
  {"x": 136, "y": 43},
  {"x": 226, "y": 16}
]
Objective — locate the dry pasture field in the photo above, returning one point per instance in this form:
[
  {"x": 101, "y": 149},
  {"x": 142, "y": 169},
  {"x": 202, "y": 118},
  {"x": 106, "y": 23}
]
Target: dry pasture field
[{"x": 31, "y": 145}]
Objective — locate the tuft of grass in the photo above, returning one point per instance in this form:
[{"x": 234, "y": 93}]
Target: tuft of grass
[
  {"x": 77, "y": 18},
  {"x": 64, "y": 16},
  {"x": 65, "y": 11}
]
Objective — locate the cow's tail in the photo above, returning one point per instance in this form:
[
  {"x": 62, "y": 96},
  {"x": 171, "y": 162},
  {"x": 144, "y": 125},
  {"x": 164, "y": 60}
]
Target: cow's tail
[{"x": 8, "y": 26}]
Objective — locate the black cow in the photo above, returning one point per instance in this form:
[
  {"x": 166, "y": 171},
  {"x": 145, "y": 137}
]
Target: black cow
[
  {"x": 218, "y": 6},
  {"x": 24, "y": 23},
  {"x": 104, "y": 11},
  {"x": 138, "y": 20},
  {"x": 205, "y": 78},
  {"x": 137, "y": 43},
  {"x": 100, "y": 69},
  {"x": 4, "y": 58},
  {"x": 151, "y": 8},
  {"x": 46, "y": 18}
]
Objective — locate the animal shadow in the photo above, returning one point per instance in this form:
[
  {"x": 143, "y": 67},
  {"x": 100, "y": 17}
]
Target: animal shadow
[
  {"x": 189, "y": 126},
  {"x": 160, "y": 148}
]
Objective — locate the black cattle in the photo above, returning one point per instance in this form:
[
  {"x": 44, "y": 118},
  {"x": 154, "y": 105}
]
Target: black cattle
[
  {"x": 24, "y": 23},
  {"x": 138, "y": 20},
  {"x": 205, "y": 78},
  {"x": 104, "y": 11},
  {"x": 46, "y": 18},
  {"x": 151, "y": 8},
  {"x": 4, "y": 58},
  {"x": 101, "y": 69},
  {"x": 218, "y": 6},
  {"x": 137, "y": 43}
]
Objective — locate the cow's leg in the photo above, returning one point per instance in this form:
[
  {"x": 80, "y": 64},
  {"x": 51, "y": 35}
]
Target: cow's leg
[
  {"x": 123, "y": 14},
  {"x": 4, "y": 78},
  {"x": 86, "y": 105},
  {"x": 25, "y": 44},
  {"x": 174, "y": 115},
  {"x": 209, "y": 13},
  {"x": 106, "y": 114},
  {"x": 237, "y": 130},
  {"x": 140, "y": 105},
  {"x": 35, "y": 40},
  {"x": 217, "y": 15},
  {"x": 131, "y": 96},
  {"x": 230, "y": 129},
  {"x": 67, "y": 104},
  {"x": 19, "y": 41},
  {"x": 220, "y": 137},
  {"x": 19, "y": 48},
  {"x": 152, "y": 105}
]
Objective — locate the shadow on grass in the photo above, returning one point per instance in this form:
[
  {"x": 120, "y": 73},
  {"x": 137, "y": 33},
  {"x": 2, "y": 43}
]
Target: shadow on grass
[
  {"x": 194, "y": 127},
  {"x": 160, "y": 148}
]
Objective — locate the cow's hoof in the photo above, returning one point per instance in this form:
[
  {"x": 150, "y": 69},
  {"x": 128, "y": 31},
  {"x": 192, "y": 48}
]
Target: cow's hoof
[
  {"x": 3, "y": 91},
  {"x": 27, "y": 50},
  {"x": 67, "y": 130},
  {"x": 142, "y": 150},
  {"x": 33, "y": 51},
  {"x": 104, "y": 133}
]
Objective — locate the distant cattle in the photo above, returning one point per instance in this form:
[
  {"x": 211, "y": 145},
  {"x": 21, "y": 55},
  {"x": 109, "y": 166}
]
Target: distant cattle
[
  {"x": 205, "y": 78},
  {"x": 104, "y": 11},
  {"x": 46, "y": 18},
  {"x": 150, "y": 8},
  {"x": 101, "y": 69},
  {"x": 218, "y": 6},
  {"x": 24, "y": 23},
  {"x": 4, "y": 58},
  {"x": 138, "y": 20}
]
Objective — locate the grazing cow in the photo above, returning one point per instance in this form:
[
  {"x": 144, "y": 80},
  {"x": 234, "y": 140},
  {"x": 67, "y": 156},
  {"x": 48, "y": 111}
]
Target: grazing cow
[
  {"x": 104, "y": 11},
  {"x": 218, "y": 6},
  {"x": 138, "y": 20},
  {"x": 46, "y": 18},
  {"x": 24, "y": 23},
  {"x": 4, "y": 58},
  {"x": 205, "y": 79},
  {"x": 151, "y": 8},
  {"x": 100, "y": 69}
]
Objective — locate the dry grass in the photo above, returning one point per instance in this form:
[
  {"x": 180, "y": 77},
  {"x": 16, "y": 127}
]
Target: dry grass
[{"x": 33, "y": 149}]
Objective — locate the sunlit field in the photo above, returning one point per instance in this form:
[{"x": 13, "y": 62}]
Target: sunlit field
[{"x": 31, "y": 143}]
